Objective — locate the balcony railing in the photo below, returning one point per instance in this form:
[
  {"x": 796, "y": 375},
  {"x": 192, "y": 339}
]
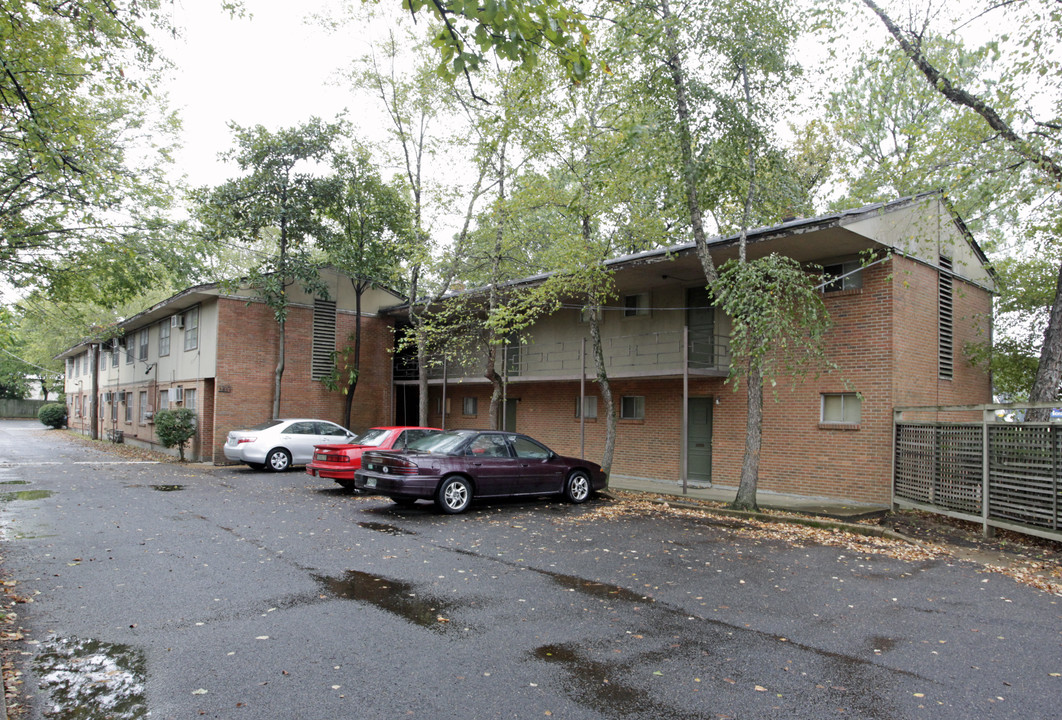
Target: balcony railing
[{"x": 648, "y": 354}]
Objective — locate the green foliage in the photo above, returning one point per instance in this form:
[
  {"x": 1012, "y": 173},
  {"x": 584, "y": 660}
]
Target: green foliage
[
  {"x": 175, "y": 428},
  {"x": 78, "y": 215},
  {"x": 778, "y": 316},
  {"x": 514, "y": 31},
  {"x": 53, "y": 415}
]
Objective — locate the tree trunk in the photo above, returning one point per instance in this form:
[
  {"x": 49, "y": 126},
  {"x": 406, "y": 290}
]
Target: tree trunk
[
  {"x": 278, "y": 374},
  {"x": 422, "y": 381},
  {"x": 349, "y": 403},
  {"x": 1049, "y": 371},
  {"x": 750, "y": 467},
  {"x": 606, "y": 389},
  {"x": 496, "y": 385}
]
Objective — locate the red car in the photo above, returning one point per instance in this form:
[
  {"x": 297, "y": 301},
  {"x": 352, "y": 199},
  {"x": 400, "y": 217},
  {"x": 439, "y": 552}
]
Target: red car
[{"x": 340, "y": 461}]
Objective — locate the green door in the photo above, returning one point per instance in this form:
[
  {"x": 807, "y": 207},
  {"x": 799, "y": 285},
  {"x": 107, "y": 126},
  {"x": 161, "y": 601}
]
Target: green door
[
  {"x": 699, "y": 439},
  {"x": 509, "y": 415}
]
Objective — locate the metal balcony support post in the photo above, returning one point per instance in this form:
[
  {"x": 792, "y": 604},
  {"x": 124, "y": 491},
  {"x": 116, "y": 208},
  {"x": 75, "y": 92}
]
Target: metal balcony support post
[
  {"x": 684, "y": 460},
  {"x": 582, "y": 399}
]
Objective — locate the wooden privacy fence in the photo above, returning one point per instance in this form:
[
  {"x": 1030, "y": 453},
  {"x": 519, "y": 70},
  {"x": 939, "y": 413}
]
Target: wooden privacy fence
[{"x": 995, "y": 470}]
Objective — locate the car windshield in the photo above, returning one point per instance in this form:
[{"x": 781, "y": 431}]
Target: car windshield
[
  {"x": 266, "y": 425},
  {"x": 373, "y": 438},
  {"x": 446, "y": 442}
]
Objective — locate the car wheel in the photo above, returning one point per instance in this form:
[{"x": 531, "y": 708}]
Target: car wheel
[
  {"x": 255, "y": 466},
  {"x": 577, "y": 488},
  {"x": 404, "y": 502},
  {"x": 454, "y": 495},
  {"x": 278, "y": 460}
]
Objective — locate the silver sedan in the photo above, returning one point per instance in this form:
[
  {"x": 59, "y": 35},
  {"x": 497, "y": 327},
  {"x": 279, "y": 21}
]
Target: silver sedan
[{"x": 278, "y": 444}]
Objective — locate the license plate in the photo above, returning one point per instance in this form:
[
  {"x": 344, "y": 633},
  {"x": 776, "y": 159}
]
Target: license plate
[{"x": 370, "y": 482}]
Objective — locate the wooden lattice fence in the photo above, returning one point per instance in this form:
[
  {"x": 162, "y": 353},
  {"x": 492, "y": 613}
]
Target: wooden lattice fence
[{"x": 1000, "y": 474}]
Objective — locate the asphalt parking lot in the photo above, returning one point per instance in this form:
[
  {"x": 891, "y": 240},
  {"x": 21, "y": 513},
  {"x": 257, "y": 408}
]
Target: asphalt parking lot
[{"x": 170, "y": 591}]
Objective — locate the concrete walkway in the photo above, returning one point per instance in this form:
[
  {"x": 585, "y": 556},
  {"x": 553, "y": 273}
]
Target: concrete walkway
[{"x": 825, "y": 507}]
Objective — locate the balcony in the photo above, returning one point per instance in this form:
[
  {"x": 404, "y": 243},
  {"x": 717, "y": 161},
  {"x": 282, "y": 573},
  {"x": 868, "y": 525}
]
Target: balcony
[{"x": 657, "y": 354}]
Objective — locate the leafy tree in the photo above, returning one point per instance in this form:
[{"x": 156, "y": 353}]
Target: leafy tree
[
  {"x": 416, "y": 104},
  {"x": 1026, "y": 115},
  {"x": 367, "y": 233},
  {"x": 175, "y": 428},
  {"x": 279, "y": 195},
  {"x": 78, "y": 215}
]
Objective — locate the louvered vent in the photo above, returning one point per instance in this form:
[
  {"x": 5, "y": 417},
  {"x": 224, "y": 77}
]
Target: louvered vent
[
  {"x": 946, "y": 320},
  {"x": 324, "y": 337}
]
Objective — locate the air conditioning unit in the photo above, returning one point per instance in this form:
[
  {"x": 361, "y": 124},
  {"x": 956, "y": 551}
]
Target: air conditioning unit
[
  {"x": 107, "y": 397},
  {"x": 177, "y": 394},
  {"x": 123, "y": 396},
  {"x": 177, "y": 321}
]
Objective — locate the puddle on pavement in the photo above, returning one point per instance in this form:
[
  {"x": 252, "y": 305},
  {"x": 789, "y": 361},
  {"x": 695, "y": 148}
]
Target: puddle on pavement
[
  {"x": 594, "y": 684},
  {"x": 88, "y": 679},
  {"x": 385, "y": 528},
  {"x": 596, "y": 589},
  {"x": 26, "y": 495},
  {"x": 394, "y": 596},
  {"x": 167, "y": 488},
  {"x": 15, "y": 482}
]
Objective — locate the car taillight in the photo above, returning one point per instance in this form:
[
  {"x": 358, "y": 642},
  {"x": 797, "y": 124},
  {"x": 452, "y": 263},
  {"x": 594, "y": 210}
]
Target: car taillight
[
  {"x": 241, "y": 441},
  {"x": 403, "y": 467},
  {"x": 335, "y": 458}
]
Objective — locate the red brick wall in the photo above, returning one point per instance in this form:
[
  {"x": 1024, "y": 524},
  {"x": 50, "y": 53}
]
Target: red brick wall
[
  {"x": 884, "y": 344},
  {"x": 247, "y": 358}
]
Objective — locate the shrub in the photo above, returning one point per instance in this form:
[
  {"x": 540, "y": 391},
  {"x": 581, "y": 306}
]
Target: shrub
[
  {"x": 53, "y": 415},
  {"x": 175, "y": 428}
]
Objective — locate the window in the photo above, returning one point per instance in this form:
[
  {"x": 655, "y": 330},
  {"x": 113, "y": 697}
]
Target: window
[
  {"x": 114, "y": 407},
  {"x": 529, "y": 449},
  {"x": 324, "y": 338},
  {"x": 164, "y": 338},
  {"x": 841, "y": 408},
  {"x": 127, "y": 351},
  {"x": 945, "y": 321},
  {"x": 439, "y": 405},
  {"x": 191, "y": 329},
  {"x": 77, "y": 366},
  {"x": 469, "y": 406},
  {"x": 77, "y": 406},
  {"x": 842, "y": 276},
  {"x": 143, "y": 344},
  {"x": 164, "y": 399},
  {"x": 632, "y": 407},
  {"x": 585, "y": 314},
  {"x": 143, "y": 406},
  {"x": 301, "y": 428},
  {"x": 129, "y": 407},
  {"x": 69, "y": 368},
  {"x": 101, "y": 404},
  {"x": 589, "y": 407},
  {"x": 488, "y": 445},
  {"x": 636, "y": 305},
  {"x": 189, "y": 398},
  {"x": 114, "y": 356}
]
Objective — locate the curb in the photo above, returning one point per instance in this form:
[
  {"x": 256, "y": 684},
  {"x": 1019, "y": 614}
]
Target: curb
[{"x": 868, "y": 530}]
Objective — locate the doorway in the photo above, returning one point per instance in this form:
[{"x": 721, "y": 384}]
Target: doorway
[
  {"x": 509, "y": 415},
  {"x": 699, "y": 439}
]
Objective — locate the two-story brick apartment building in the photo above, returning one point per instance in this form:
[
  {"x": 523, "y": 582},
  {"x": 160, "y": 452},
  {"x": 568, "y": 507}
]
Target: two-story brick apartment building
[
  {"x": 214, "y": 349},
  {"x": 900, "y": 324}
]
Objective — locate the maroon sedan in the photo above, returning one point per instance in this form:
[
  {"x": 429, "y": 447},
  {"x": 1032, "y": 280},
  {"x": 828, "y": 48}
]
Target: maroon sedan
[
  {"x": 340, "y": 461},
  {"x": 452, "y": 467}
]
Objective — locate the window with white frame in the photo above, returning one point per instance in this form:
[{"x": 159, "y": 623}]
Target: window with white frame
[
  {"x": 842, "y": 276},
  {"x": 143, "y": 406},
  {"x": 114, "y": 407},
  {"x": 589, "y": 407},
  {"x": 469, "y": 406},
  {"x": 143, "y": 337},
  {"x": 439, "y": 405},
  {"x": 126, "y": 342},
  {"x": 129, "y": 407},
  {"x": 632, "y": 407},
  {"x": 841, "y": 408},
  {"x": 191, "y": 329},
  {"x": 114, "y": 354},
  {"x": 164, "y": 338},
  {"x": 164, "y": 399},
  {"x": 636, "y": 305},
  {"x": 189, "y": 398},
  {"x": 77, "y": 366}
]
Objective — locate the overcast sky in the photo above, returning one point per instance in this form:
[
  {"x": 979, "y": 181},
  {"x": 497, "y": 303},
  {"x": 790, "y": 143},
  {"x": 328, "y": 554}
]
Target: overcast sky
[{"x": 272, "y": 68}]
